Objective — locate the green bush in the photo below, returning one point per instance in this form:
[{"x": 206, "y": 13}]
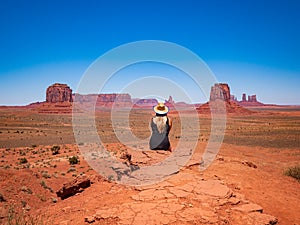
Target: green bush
[
  {"x": 23, "y": 160},
  {"x": 73, "y": 160},
  {"x": 293, "y": 172}
]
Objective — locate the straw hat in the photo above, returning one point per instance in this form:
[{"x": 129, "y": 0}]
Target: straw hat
[{"x": 161, "y": 108}]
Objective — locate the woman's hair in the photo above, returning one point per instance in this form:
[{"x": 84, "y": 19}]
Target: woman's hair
[{"x": 160, "y": 121}]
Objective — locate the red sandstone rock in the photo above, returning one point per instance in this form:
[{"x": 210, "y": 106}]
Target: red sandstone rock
[
  {"x": 59, "y": 93},
  {"x": 248, "y": 208},
  {"x": 216, "y": 106},
  {"x": 264, "y": 219},
  {"x": 220, "y": 91},
  {"x": 114, "y": 98},
  {"x": 75, "y": 186}
]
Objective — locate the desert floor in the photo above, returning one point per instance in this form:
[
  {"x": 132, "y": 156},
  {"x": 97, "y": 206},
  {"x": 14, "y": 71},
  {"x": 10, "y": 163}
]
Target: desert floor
[{"x": 245, "y": 184}]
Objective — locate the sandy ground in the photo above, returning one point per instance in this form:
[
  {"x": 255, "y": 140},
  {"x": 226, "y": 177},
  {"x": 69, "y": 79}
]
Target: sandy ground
[{"x": 245, "y": 184}]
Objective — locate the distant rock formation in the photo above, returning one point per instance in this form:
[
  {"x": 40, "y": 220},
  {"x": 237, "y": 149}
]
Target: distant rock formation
[
  {"x": 220, "y": 91},
  {"x": 58, "y": 100},
  {"x": 251, "y": 101},
  {"x": 170, "y": 101},
  {"x": 252, "y": 98},
  {"x": 244, "y": 97},
  {"x": 145, "y": 102},
  {"x": 58, "y": 93},
  {"x": 102, "y": 98},
  {"x": 114, "y": 98}
]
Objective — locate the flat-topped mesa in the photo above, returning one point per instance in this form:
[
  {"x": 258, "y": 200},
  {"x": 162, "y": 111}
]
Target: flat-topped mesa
[
  {"x": 220, "y": 91},
  {"x": 59, "y": 93},
  {"x": 106, "y": 98}
]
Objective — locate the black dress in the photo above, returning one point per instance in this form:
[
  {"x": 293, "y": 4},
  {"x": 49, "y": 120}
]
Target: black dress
[{"x": 160, "y": 141}]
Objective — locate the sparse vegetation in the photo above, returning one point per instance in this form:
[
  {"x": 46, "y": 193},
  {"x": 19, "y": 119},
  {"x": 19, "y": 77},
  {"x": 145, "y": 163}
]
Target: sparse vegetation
[
  {"x": 73, "y": 160},
  {"x": 293, "y": 172},
  {"x": 26, "y": 189},
  {"x": 45, "y": 174},
  {"x": 44, "y": 185},
  {"x": 55, "y": 149},
  {"x": 14, "y": 218},
  {"x": 23, "y": 160},
  {"x": 111, "y": 178}
]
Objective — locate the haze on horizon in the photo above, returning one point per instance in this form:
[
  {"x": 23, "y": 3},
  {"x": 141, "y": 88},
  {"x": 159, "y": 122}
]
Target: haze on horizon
[{"x": 251, "y": 45}]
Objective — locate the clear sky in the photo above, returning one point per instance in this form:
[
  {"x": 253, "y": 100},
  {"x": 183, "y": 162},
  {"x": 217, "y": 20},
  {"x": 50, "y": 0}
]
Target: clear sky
[{"x": 253, "y": 45}]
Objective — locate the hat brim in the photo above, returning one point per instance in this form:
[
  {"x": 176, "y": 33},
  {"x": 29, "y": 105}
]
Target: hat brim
[{"x": 165, "y": 111}]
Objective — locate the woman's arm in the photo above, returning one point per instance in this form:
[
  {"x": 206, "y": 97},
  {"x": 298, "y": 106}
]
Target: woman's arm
[{"x": 170, "y": 123}]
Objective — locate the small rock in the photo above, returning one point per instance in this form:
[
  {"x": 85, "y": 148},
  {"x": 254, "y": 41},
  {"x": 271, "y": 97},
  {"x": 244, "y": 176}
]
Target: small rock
[
  {"x": 75, "y": 186},
  {"x": 89, "y": 219},
  {"x": 248, "y": 208},
  {"x": 2, "y": 199},
  {"x": 234, "y": 201},
  {"x": 250, "y": 164},
  {"x": 66, "y": 208},
  {"x": 263, "y": 219},
  {"x": 27, "y": 207}
]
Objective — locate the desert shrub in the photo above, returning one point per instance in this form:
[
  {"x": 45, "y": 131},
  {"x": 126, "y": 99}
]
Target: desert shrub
[
  {"x": 34, "y": 146},
  {"x": 293, "y": 172},
  {"x": 73, "y": 160},
  {"x": 45, "y": 186},
  {"x": 23, "y": 160},
  {"x": 22, "y": 153},
  {"x": 26, "y": 189},
  {"x": 15, "y": 218},
  {"x": 45, "y": 174},
  {"x": 55, "y": 150}
]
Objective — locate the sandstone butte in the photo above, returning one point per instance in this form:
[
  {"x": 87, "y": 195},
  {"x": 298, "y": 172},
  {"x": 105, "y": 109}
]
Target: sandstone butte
[{"x": 60, "y": 98}]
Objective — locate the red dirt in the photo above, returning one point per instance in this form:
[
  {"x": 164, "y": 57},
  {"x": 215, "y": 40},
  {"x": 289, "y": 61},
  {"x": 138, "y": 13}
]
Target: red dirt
[{"x": 243, "y": 180}]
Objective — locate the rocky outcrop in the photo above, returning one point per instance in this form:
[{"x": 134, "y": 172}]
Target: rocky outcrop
[
  {"x": 176, "y": 201},
  {"x": 251, "y": 101},
  {"x": 244, "y": 97},
  {"x": 217, "y": 107},
  {"x": 220, "y": 95},
  {"x": 104, "y": 100},
  {"x": 142, "y": 103},
  {"x": 75, "y": 186},
  {"x": 59, "y": 100},
  {"x": 220, "y": 91},
  {"x": 252, "y": 98},
  {"x": 113, "y": 98},
  {"x": 58, "y": 93}
]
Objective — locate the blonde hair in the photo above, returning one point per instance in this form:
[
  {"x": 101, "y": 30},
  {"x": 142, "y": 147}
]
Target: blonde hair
[{"x": 161, "y": 122}]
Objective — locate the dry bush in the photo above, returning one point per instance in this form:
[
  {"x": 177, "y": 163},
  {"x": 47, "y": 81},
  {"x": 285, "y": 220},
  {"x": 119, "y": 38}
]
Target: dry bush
[{"x": 293, "y": 172}]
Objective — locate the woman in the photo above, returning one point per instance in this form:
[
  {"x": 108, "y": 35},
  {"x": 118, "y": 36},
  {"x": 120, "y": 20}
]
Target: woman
[{"x": 161, "y": 126}]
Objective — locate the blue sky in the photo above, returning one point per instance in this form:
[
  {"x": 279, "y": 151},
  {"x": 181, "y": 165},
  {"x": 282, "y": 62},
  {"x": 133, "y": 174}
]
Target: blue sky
[{"x": 251, "y": 45}]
